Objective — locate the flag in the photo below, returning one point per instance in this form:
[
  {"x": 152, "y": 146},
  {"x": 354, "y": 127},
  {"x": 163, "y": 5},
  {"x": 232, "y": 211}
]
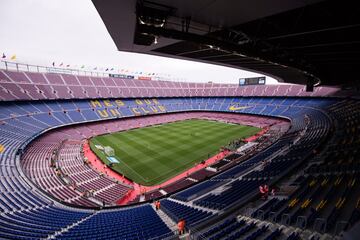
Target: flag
[
  {"x": 53, "y": 64},
  {"x": 3, "y": 56},
  {"x": 68, "y": 65},
  {"x": 61, "y": 64},
  {"x": 106, "y": 69},
  {"x": 111, "y": 69},
  {"x": 13, "y": 57}
]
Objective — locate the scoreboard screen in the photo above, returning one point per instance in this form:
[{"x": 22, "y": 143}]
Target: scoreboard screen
[{"x": 252, "y": 81}]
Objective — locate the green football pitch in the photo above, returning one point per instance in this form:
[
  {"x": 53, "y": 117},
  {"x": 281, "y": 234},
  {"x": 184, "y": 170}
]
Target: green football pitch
[{"x": 152, "y": 155}]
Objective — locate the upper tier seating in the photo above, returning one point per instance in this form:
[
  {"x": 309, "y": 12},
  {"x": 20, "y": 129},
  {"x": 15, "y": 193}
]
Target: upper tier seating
[
  {"x": 178, "y": 211},
  {"x": 37, "y": 223},
  {"x": 134, "y": 223},
  {"x": 327, "y": 200},
  {"x": 235, "y": 229},
  {"x": 37, "y": 86}
]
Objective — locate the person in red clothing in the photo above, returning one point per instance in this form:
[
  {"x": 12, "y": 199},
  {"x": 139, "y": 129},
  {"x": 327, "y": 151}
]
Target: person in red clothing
[
  {"x": 157, "y": 205},
  {"x": 264, "y": 190},
  {"x": 181, "y": 226}
]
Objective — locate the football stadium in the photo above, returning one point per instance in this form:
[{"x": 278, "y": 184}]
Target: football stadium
[{"x": 160, "y": 119}]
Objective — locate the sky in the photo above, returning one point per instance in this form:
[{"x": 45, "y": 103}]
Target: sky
[{"x": 41, "y": 32}]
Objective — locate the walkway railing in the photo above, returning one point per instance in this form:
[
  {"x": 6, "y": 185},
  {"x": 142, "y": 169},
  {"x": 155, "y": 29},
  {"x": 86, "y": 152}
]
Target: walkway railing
[{"x": 20, "y": 67}]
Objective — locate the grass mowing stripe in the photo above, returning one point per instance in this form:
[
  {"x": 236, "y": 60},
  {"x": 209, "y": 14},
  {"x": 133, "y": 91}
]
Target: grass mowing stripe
[
  {"x": 197, "y": 146},
  {"x": 152, "y": 155}
]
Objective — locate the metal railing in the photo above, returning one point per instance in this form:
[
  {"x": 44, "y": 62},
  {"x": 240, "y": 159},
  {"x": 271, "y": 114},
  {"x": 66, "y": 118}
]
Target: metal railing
[
  {"x": 20, "y": 67},
  {"x": 25, "y": 67}
]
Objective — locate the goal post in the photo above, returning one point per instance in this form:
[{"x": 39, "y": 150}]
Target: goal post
[{"x": 109, "y": 151}]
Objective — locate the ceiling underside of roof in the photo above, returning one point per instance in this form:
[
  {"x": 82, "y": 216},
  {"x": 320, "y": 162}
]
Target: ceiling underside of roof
[{"x": 290, "y": 40}]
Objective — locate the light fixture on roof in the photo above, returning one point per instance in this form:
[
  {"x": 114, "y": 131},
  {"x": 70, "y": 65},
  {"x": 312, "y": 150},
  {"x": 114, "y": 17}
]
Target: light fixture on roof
[
  {"x": 141, "y": 21},
  {"x": 155, "y": 40}
]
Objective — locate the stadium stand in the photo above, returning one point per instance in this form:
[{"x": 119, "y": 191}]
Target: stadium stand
[
  {"x": 322, "y": 143},
  {"x": 327, "y": 198},
  {"x": 37, "y": 223},
  {"x": 69, "y": 178},
  {"x": 134, "y": 223},
  {"x": 42, "y": 86},
  {"x": 177, "y": 211}
]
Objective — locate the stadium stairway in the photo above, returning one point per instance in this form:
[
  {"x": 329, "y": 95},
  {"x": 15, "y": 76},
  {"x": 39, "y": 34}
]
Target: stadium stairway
[
  {"x": 132, "y": 194},
  {"x": 172, "y": 225}
]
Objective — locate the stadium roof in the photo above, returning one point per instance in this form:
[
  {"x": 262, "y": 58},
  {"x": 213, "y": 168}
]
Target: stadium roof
[{"x": 294, "y": 41}]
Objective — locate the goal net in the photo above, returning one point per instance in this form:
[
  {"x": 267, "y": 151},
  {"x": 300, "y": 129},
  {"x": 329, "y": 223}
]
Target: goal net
[{"x": 109, "y": 151}]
